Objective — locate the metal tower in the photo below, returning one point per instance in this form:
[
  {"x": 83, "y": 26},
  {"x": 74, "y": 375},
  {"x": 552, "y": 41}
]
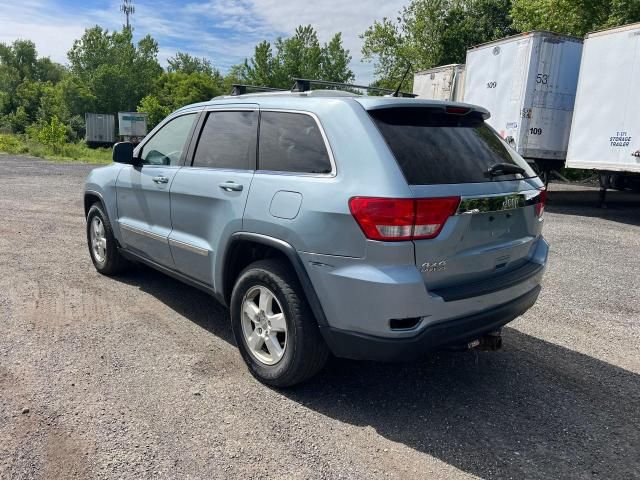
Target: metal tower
[{"x": 128, "y": 9}]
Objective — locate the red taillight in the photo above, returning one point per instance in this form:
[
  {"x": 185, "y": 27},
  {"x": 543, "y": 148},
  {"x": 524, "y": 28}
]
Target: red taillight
[
  {"x": 542, "y": 199},
  {"x": 392, "y": 219},
  {"x": 431, "y": 214},
  {"x": 384, "y": 218}
]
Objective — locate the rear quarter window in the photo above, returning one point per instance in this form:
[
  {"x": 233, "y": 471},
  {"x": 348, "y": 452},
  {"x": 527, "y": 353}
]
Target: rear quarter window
[
  {"x": 291, "y": 142},
  {"x": 432, "y": 147}
]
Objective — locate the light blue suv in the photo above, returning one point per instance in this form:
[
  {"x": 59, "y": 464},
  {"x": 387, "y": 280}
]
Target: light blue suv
[{"x": 368, "y": 227}]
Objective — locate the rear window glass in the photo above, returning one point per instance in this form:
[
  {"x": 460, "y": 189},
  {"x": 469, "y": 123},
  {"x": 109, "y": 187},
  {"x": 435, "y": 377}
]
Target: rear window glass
[
  {"x": 291, "y": 142},
  {"x": 433, "y": 147}
]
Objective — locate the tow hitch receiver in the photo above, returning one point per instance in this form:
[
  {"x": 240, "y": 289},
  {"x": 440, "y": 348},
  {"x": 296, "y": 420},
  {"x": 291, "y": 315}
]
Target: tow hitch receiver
[{"x": 490, "y": 342}]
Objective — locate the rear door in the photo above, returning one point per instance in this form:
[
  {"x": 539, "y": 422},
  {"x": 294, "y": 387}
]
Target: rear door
[
  {"x": 494, "y": 229},
  {"x": 495, "y": 79},
  {"x": 142, "y": 191},
  {"x": 628, "y": 140},
  {"x": 551, "y": 92},
  {"x": 209, "y": 194}
]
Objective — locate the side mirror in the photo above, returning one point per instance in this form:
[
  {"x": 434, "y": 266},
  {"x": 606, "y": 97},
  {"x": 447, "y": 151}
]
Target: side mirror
[{"x": 123, "y": 153}]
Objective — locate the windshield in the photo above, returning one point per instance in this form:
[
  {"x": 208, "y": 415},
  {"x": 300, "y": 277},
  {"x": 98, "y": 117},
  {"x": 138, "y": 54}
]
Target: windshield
[{"x": 433, "y": 147}]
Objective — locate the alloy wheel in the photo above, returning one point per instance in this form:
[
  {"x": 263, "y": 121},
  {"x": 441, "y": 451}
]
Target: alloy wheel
[{"x": 263, "y": 325}]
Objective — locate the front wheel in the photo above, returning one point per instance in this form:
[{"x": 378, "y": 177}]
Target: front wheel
[
  {"x": 274, "y": 328},
  {"x": 102, "y": 243}
]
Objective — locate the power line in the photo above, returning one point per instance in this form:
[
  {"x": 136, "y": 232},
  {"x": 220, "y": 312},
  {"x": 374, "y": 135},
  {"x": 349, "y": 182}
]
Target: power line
[{"x": 128, "y": 9}]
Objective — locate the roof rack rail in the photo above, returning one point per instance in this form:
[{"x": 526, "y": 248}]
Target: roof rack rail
[
  {"x": 304, "y": 85},
  {"x": 241, "y": 89}
]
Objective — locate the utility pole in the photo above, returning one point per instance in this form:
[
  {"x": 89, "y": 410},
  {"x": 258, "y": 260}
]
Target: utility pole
[{"x": 128, "y": 9}]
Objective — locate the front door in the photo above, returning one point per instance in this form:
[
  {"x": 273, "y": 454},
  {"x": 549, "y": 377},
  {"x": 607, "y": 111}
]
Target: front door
[
  {"x": 208, "y": 195},
  {"x": 142, "y": 191}
]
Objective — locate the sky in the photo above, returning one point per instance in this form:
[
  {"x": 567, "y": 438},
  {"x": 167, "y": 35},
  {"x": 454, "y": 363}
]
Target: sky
[{"x": 224, "y": 31}]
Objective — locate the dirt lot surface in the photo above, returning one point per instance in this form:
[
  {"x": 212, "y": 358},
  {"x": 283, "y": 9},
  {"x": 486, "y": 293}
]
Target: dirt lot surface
[{"x": 138, "y": 377}]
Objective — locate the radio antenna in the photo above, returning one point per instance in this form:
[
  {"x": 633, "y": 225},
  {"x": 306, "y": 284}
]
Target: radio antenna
[{"x": 404, "y": 77}]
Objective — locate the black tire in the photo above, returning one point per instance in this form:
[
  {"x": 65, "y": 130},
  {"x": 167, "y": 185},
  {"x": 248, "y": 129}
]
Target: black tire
[
  {"x": 114, "y": 262},
  {"x": 306, "y": 352}
]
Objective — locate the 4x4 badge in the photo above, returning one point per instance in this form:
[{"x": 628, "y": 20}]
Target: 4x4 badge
[{"x": 433, "y": 267}]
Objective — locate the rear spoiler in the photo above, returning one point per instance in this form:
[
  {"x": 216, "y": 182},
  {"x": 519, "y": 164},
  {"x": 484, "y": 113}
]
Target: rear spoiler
[{"x": 452, "y": 108}]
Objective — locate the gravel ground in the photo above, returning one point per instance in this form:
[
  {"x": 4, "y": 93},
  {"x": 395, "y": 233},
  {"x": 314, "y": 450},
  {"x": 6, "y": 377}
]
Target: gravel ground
[{"x": 138, "y": 377}]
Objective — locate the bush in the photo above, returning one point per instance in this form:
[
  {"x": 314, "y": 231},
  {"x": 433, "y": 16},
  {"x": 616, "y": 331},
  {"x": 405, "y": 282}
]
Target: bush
[
  {"x": 75, "y": 128},
  {"x": 52, "y": 134},
  {"x": 18, "y": 120},
  {"x": 24, "y": 144},
  {"x": 12, "y": 144}
]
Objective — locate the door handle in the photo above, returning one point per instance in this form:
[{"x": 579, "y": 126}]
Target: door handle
[
  {"x": 160, "y": 179},
  {"x": 231, "y": 186}
]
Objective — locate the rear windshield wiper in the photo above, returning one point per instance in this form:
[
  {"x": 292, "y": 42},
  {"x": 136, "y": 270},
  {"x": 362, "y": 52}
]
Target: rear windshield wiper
[{"x": 504, "y": 169}]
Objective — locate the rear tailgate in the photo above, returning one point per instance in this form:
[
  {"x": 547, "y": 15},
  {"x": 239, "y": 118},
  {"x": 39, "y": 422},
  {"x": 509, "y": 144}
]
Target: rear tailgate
[{"x": 487, "y": 241}]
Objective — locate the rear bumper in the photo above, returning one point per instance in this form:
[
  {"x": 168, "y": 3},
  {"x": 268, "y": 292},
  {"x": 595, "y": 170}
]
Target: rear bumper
[
  {"x": 359, "y": 346},
  {"x": 363, "y": 295}
]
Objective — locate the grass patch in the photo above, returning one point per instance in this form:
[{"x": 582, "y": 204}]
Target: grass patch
[{"x": 24, "y": 145}]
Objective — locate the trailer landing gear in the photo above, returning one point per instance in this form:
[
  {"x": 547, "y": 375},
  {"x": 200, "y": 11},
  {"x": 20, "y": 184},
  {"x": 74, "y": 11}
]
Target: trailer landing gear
[
  {"x": 609, "y": 180},
  {"x": 604, "y": 184},
  {"x": 546, "y": 169}
]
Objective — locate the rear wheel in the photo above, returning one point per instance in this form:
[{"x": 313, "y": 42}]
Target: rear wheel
[
  {"x": 274, "y": 328},
  {"x": 102, "y": 243}
]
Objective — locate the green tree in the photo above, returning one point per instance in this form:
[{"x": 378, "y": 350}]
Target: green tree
[
  {"x": 185, "y": 63},
  {"x": 77, "y": 96},
  {"x": 573, "y": 17},
  {"x": 49, "y": 71},
  {"x": 300, "y": 55},
  {"x": 335, "y": 61},
  {"x": 52, "y": 103},
  {"x": 28, "y": 95},
  {"x": 177, "y": 89},
  {"x": 20, "y": 56},
  {"x": 23, "y": 77},
  {"x": 116, "y": 73},
  {"x": 429, "y": 33},
  {"x": 154, "y": 109}
]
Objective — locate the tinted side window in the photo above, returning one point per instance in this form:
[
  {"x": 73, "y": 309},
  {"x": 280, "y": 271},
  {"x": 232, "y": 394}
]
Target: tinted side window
[
  {"x": 228, "y": 140},
  {"x": 291, "y": 142},
  {"x": 166, "y": 146}
]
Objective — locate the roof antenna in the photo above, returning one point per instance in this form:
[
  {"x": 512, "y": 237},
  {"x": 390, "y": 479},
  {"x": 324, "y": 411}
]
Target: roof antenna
[{"x": 406, "y": 72}]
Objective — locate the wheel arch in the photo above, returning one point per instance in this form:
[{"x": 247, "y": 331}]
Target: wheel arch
[
  {"x": 91, "y": 197},
  {"x": 244, "y": 248}
]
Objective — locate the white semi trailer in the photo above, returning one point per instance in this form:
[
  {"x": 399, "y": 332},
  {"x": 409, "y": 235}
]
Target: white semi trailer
[
  {"x": 440, "y": 83},
  {"x": 132, "y": 126},
  {"x": 605, "y": 135},
  {"x": 528, "y": 83}
]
